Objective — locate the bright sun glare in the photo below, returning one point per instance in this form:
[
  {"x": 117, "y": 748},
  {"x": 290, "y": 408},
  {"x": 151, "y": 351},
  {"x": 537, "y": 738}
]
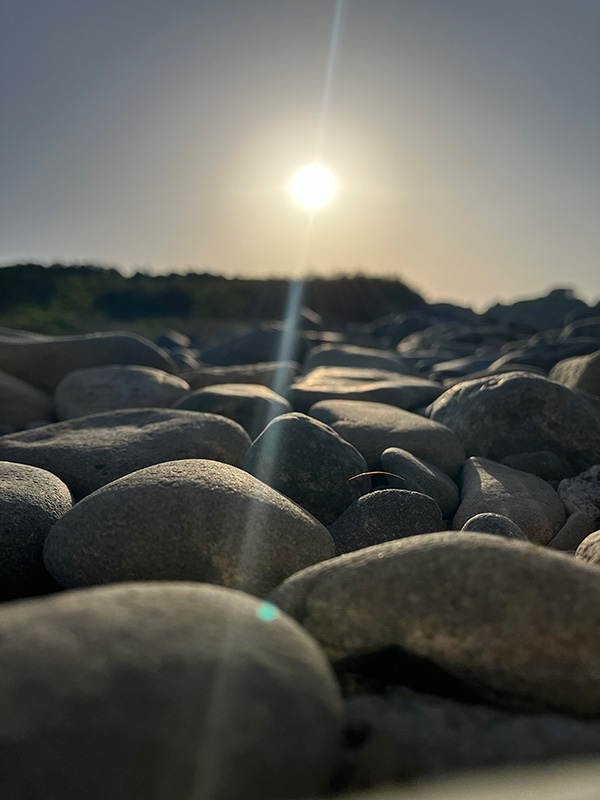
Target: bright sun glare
[{"x": 313, "y": 186}]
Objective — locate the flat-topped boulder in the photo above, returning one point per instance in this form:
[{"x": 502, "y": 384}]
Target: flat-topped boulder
[
  {"x": 89, "y": 452},
  {"x": 489, "y": 612},
  {"x": 162, "y": 691},
  {"x": 373, "y": 427},
  {"x": 98, "y": 389},
  {"x": 45, "y": 361},
  {"x": 252, "y": 405},
  {"x": 192, "y": 519},
  {"x": 347, "y": 355}
]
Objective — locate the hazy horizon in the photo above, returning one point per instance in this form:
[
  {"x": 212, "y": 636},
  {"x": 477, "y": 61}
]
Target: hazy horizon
[{"x": 463, "y": 136}]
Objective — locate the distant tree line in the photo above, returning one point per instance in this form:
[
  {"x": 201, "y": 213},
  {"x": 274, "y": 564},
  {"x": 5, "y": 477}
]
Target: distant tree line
[{"x": 64, "y": 299}]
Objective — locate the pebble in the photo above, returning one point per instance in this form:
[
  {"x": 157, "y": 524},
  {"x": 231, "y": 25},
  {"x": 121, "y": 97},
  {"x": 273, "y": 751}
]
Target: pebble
[
  {"x": 31, "y": 501},
  {"x": 98, "y": 389},
  {"x": 373, "y": 427},
  {"x": 310, "y": 463},
  {"x": 496, "y": 524},
  {"x": 573, "y": 532},
  {"x": 488, "y": 612},
  {"x": 89, "y": 452},
  {"x": 589, "y": 549},
  {"x": 45, "y": 361},
  {"x": 518, "y": 412},
  {"x": 273, "y": 374},
  {"x": 384, "y": 516},
  {"x": 421, "y": 476},
  {"x": 253, "y": 406},
  {"x": 189, "y": 520},
  {"x": 162, "y": 691},
  {"x": 530, "y": 502},
  {"x": 328, "y": 355}
]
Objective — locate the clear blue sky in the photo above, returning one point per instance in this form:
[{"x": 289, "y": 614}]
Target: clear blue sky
[{"x": 464, "y": 136}]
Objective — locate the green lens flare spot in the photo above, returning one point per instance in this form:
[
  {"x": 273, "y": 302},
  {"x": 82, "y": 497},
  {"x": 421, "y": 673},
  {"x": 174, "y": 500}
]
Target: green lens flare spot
[{"x": 267, "y": 612}]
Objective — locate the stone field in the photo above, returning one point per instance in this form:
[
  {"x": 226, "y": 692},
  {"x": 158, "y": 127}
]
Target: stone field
[{"x": 297, "y": 562}]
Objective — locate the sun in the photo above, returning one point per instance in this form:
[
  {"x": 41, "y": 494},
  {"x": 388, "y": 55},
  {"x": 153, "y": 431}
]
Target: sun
[{"x": 313, "y": 186}]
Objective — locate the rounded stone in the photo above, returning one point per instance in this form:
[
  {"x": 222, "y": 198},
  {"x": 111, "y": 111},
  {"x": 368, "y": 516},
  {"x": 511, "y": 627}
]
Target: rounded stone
[
  {"x": 383, "y": 516},
  {"x": 89, "y": 452},
  {"x": 310, "y": 463},
  {"x": 516, "y": 412},
  {"x": 373, "y": 427},
  {"x": 589, "y": 549},
  {"x": 98, "y": 389},
  {"x": 193, "y": 519},
  {"x": 489, "y": 611},
  {"x": 251, "y": 405},
  {"x": 164, "y": 692},
  {"x": 21, "y": 403},
  {"x": 582, "y": 493},
  {"x": 31, "y": 501},
  {"x": 420, "y": 476},
  {"x": 496, "y": 524},
  {"x": 580, "y": 372},
  {"x": 530, "y": 502}
]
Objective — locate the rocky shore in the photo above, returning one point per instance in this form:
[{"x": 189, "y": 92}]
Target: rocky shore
[{"x": 297, "y": 562}]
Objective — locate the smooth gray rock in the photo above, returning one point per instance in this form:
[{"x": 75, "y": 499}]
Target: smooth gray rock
[
  {"x": 276, "y": 375},
  {"x": 581, "y": 372},
  {"x": 44, "y": 362},
  {"x": 520, "y": 413},
  {"x": 543, "y": 463},
  {"x": 589, "y": 549},
  {"x": 346, "y": 355},
  {"x": 89, "y": 452},
  {"x": 99, "y": 389},
  {"x": 573, "y": 532},
  {"x": 384, "y": 516},
  {"x": 162, "y": 691},
  {"x": 251, "y": 405},
  {"x": 373, "y": 427},
  {"x": 404, "y": 735},
  {"x": 266, "y": 343},
  {"x": 582, "y": 493},
  {"x": 420, "y": 476},
  {"x": 21, "y": 403},
  {"x": 488, "y": 611},
  {"x": 31, "y": 501},
  {"x": 496, "y": 524},
  {"x": 404, "y": 391},
  {"x": 192, "y": 519},
  {"x": 310, "y": 463},
  {"x": 530, "y": 502}
]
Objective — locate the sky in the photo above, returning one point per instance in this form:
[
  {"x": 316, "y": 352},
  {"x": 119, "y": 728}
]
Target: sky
[{"x": 162, "y": 135}]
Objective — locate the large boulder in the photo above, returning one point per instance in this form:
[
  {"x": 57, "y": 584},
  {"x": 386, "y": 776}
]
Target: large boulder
[
  {"x": 98, "y": 389},
  {"x": 31, "y": 501},
  {"x": 310, "y": 463},
  {"x": 193, "y": 519},
  {"x": 88, "y": 452},
  {"x": 516, "y": 412},
  {"x": 44, "y": 362},
  {"x": 487, "y": 611},
  {"x": 373, "y": 427},
  {"x": 162, "y": 691},
  {"x": 527, "y": 500},
  {"x": 21, "y": 403}
]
